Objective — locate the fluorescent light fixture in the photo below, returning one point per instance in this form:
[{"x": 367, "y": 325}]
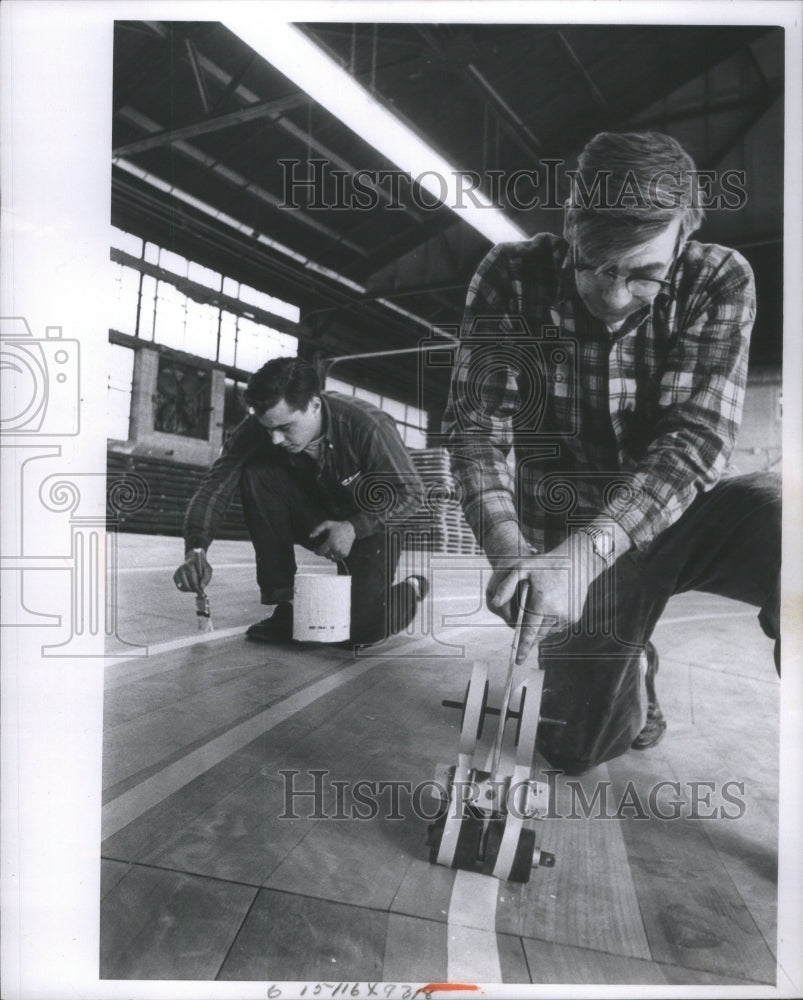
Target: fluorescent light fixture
[{"x": 316, "y": 73}]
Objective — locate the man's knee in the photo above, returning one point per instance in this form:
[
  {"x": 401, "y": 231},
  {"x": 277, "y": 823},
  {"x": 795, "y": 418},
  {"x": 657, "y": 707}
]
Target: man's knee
[
  {"x": 259, "y": 479},
  {"x": 566, "y": 763},
  {"x": 268, "y": 490},
  {"x": 762, "y": 492}
]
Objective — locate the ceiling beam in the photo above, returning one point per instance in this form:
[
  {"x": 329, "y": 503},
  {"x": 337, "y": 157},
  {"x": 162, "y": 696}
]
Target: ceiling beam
[
  {"x": 595, "y": 91},
  {"x": 756, "y": 66},
  {"x": 501, "y": 103},
  {"x": 260, "y": 109},
  {"x": 306, "y": 280},
  {"x": 200, "y": 83},
  {"x": 157, "y": 27},
  {"x": 568, "y": 136},
  {"x": 235, "y": 179},
  {"x": 277, "y": 117},
  {"x": 755, "y": 112},
  {"x": 717, "y": 106},
  {"x": 510, "y": 122}
]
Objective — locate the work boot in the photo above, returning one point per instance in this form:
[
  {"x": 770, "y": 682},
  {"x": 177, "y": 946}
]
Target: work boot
[
  {"x": 420, "y": 587},
  {"x": 420, "y": 584},
  {"x": 277, "y": 628},
  {"x": 655, "y": 726}
]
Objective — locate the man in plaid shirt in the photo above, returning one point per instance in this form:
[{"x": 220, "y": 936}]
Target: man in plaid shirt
[{"x": 611, "y": 364}]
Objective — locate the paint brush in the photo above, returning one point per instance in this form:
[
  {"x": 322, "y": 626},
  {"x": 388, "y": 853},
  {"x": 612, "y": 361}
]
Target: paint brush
[{"x": 202, "y": 613}]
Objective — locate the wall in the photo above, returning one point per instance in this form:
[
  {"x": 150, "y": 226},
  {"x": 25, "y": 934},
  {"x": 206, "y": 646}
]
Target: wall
[
  {"x": 147, "y": 441},
  {"x": 758, "y": 447}
]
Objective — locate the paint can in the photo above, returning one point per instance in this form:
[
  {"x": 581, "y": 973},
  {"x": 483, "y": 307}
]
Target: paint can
[{"x": 321, "y": 608}]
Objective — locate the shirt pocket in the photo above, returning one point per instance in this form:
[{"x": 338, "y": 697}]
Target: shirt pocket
[{"x": 349, "y": 487}]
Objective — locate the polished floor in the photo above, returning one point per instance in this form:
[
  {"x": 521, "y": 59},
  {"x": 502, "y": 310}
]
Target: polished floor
[{"x": 668, "y": 876}]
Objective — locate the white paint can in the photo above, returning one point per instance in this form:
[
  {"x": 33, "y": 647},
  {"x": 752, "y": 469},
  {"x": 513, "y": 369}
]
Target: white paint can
[{"x": 321, "y": 608}]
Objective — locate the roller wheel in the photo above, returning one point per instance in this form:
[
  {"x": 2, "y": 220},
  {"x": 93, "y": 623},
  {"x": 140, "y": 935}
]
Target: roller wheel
[
  {"x": 523, "y": 862},
  {"x": 482, "y": 711},
  {"x": 468, "y": 844},
  {"x": 493, "y": 839},
  {"x": 520, "y": 714},
  {"x": 434, "y": 835},
  {"x": 523, "y": 859},
  {"x": 518, "y": 841},
  {"x": 476, "y": 701},
  {"x": 467, "y": 848}
]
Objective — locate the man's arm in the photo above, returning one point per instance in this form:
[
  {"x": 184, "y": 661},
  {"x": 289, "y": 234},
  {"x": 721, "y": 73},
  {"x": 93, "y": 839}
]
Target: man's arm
[
  {"x": 209, "y": 504},
  {"x": 702, "y": 387},
  {"x": 702, "y": 392},
  {"x": 389, "y": 476},
  {"x": 478, "y": 421},
  {"x": 485, "y": 395},
  {"x": 211, "y": 500}
]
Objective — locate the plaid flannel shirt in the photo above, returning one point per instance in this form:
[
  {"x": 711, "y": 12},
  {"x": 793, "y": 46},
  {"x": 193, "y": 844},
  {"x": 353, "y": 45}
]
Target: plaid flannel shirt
[
  {"x": 628, "y": 425},
  {"x": 364, "y": 473}
]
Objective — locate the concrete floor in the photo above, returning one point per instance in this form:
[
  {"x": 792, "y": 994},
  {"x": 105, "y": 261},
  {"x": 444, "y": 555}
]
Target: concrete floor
[{"x": 203, "y": 877}]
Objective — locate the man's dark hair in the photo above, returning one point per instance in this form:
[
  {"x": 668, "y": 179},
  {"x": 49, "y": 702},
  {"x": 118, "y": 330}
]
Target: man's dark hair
[
  {"x": 658, "y": 176},
  {"x": 290, "y": 379}
]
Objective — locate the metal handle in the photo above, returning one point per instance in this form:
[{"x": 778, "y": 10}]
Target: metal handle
[{"x": 514, "y": 648}]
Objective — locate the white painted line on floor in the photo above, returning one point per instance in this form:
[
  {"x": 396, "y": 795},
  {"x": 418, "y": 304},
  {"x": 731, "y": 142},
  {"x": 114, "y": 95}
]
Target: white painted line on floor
[
  {"x": 171, "y": 569},
  {"x": 135, "y": 668},
  {"x": 147, "y": 666},
  {"x": 138, "y": 666},
  {"x": 125, "y": 808},
  {"x": 129, "y": 805},
  {"x": 194, "y": 639},
  {"x": 472, "y": 949}
]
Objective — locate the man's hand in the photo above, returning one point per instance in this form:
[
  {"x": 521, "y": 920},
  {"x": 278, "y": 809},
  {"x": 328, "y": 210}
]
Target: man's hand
[
  {"x": 194, "y": 573},
  {"x": 548, "y": 603},
  {"x": 558, "y": 583},
  {"x": 339, "y": 537}
]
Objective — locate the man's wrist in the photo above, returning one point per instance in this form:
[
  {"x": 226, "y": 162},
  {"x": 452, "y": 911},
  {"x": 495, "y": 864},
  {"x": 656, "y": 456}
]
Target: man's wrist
[
  {"x": 599, "y": 546},
  {"x": 504, "y": 541},
  {"x": 601, "y": 542},
  {"x": 363, "y": 525}
]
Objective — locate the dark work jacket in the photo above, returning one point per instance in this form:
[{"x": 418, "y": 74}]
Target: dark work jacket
[{"x": 363, "y": 470}]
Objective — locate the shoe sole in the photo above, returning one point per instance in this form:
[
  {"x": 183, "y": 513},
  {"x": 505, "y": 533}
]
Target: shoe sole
[
  {"x": 651, "y": 734},
  {"x": 271, "y": 640}
]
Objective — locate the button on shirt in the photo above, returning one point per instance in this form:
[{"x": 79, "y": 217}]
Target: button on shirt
[
  {"x": 626, "y": 425},
  {"x": 361, "y": 468}
]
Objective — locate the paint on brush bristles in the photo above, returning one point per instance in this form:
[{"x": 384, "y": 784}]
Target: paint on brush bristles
[{"x": 203, "y": 613}]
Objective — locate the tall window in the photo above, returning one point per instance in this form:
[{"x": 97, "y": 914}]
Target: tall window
[
  {"x": 410, "y": 420},
  {"x": 188, "y": 316}
]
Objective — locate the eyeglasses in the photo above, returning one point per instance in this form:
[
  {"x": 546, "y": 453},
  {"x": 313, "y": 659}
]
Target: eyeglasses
[{"x": 637, "y": 286}]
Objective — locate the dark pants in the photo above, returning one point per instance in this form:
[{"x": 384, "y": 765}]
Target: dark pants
[
  {"x": 282, "y": 505},
  {"x": 728, "y": 543}
]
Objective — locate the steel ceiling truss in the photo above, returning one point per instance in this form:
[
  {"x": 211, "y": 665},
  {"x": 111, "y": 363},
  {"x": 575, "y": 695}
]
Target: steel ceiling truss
[{"x": 376, "y": 64}]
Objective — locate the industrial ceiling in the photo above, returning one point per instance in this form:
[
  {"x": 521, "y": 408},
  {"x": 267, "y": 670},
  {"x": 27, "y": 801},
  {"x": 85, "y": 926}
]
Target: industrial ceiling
[{"x": 202, "y": 123}]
